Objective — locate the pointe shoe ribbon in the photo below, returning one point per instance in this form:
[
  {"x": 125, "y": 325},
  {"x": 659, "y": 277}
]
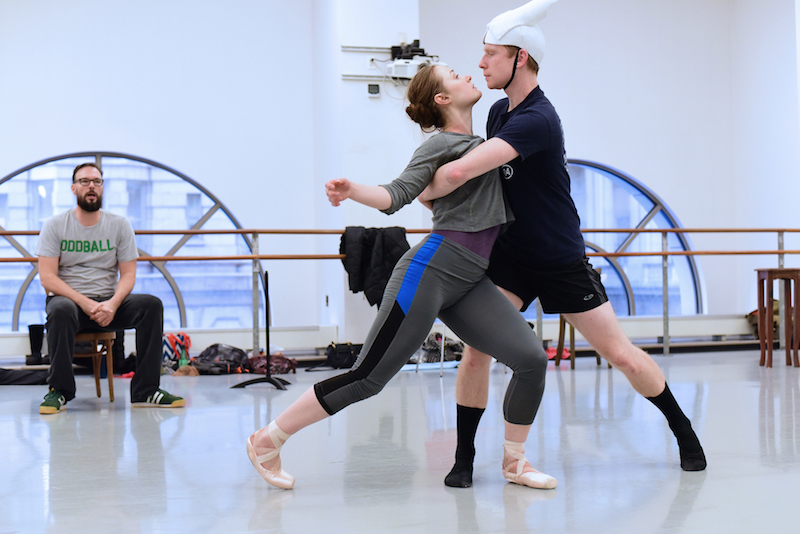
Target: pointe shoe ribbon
[
  {"x": 279, "y": 478},
  {"x": 532, "y": 479}
]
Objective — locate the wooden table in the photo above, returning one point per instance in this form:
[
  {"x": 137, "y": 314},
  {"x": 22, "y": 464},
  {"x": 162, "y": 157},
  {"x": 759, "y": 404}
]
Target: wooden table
[{"x": 765, "y": 313}]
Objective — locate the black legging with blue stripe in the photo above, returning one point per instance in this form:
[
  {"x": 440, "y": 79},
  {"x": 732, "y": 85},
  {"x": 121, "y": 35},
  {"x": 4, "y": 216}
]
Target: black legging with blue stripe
[{"x": 439, "y": 277}]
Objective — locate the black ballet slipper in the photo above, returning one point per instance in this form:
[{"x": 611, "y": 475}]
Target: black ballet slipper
[
  {"x": 693, "y": 461},
  {"x": 460, "y": 476}
]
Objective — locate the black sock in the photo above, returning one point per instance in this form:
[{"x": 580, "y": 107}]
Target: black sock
[
  {"x": 467, "y": 419},
  {"x": 692, "y": 457}
]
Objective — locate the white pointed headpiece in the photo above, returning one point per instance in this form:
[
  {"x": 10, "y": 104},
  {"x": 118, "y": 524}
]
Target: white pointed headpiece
[{"x": 519, "y": 27}]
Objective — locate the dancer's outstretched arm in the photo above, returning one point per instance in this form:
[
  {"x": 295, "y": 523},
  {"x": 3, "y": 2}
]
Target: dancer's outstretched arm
[{"x": 373, "y": 196}]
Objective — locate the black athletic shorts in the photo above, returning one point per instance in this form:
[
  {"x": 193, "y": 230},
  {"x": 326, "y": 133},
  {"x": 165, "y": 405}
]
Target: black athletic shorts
[{"x": 571, "y": 288}]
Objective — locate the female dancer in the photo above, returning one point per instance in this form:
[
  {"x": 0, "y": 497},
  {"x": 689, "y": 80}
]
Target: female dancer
[{"x": 443, "y": 275}]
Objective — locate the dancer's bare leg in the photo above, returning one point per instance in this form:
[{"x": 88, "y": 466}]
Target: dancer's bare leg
[
  {"x": 601, "y": 329},
  {"x": 472, "y": 380}
]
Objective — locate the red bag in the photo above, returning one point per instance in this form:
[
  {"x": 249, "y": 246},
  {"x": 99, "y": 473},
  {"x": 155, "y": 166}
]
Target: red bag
[{"x": 278, "y": 364}]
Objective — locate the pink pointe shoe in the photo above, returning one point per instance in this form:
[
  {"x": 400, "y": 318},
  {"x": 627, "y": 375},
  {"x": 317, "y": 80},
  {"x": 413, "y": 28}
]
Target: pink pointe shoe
[
  {"x": 532, "y": 479},
  {"x": 278, "y": 478}
]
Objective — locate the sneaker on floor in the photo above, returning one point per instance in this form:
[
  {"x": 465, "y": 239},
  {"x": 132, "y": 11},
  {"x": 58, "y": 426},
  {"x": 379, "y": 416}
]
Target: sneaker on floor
[
  {"x": 54, "y": 402},
  {"x": 160, "y": 399}
]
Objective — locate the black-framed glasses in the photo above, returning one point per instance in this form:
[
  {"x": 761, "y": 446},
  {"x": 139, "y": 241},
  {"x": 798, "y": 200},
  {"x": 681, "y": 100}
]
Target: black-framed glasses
[{"x": 86, "y": 181}]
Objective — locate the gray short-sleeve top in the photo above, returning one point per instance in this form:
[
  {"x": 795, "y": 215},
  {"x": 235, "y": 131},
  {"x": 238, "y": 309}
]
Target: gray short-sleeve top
[{"x": 477, "y": 205}]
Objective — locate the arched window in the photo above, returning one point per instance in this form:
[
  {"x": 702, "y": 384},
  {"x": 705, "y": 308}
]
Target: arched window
[
  {"x": 209, "y": 294},
  {"x": 607, "y": 198}
]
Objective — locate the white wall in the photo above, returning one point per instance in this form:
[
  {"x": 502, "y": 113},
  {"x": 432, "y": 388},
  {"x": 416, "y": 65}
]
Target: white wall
[
  {"x": 698, "y": 99},
  {"x": 766, "y": 140},
  {"x": 217, "y": 90},
  {"x": 377, "y": 137}
]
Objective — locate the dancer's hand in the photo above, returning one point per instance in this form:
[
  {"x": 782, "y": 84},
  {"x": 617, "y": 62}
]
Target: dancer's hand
[
  {"x": 374, "y": 196},
  {"x": 337, "y": 190}
]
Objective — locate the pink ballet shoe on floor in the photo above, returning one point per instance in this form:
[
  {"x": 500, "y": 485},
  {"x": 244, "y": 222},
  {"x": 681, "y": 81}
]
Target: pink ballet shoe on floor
[
  {"x": 532, "y": 479},
  {"x": 278, "y": 478}
]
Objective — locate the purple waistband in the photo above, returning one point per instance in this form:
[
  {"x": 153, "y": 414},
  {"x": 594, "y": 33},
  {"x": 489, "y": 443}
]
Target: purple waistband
[{"x": 480, "y": 243}]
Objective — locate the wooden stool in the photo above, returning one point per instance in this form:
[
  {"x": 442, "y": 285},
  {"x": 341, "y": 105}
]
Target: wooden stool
[
  {"x": 790, "y": 299},
  {"x": 562, "y": 330},
  {"x": 102, "y": 343}
]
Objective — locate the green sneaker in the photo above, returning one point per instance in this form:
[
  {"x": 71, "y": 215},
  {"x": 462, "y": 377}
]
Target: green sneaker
[
  {"x": 54, "y": 402},
  {"x": 160, "y": 399}
]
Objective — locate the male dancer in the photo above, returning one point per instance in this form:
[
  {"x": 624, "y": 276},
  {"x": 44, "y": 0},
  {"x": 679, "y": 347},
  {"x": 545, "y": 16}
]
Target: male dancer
[{"x": 543, "y": 253}]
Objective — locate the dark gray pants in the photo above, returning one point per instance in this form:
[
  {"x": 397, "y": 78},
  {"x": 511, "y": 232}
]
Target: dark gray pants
[
  {"x": 142, "y": 312},
  {"x": 440, "y": 277}
]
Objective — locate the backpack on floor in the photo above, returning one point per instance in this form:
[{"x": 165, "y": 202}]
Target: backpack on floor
[{"x": 220, "y": 359}]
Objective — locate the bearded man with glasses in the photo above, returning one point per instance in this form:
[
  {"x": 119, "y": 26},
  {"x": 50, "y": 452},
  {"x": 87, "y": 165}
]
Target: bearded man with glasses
[{"x": 87, "y": 266}]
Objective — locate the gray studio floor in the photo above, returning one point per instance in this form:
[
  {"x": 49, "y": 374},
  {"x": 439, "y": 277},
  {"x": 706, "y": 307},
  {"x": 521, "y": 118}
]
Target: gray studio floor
[{"x": 378, "y": 466}]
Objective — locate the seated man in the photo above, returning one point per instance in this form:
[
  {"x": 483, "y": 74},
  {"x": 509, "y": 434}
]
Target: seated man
[{"x": 81, "y": 251}]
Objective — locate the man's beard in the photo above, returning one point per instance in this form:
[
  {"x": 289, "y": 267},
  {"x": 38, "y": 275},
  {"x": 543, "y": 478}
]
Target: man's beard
[{"x": 85, "y": 205}]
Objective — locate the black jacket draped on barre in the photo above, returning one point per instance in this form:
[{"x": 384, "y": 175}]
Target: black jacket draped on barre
[{"x": 371, "y": 254}]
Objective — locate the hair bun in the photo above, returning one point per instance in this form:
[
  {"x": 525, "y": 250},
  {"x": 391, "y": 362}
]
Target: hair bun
[{"x": 421, "y": 92}]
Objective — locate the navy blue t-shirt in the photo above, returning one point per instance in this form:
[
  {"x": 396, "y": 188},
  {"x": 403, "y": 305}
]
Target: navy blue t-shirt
[{"x": 547, "y": 228}]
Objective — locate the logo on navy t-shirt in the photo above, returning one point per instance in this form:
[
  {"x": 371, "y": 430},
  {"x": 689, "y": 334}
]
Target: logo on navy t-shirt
[{"x": 507, "y": 171}]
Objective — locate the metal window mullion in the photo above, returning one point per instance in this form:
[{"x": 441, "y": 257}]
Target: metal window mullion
[
  {"x": 256, "y": 277},
  {"x": 665, "y": 290}
]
